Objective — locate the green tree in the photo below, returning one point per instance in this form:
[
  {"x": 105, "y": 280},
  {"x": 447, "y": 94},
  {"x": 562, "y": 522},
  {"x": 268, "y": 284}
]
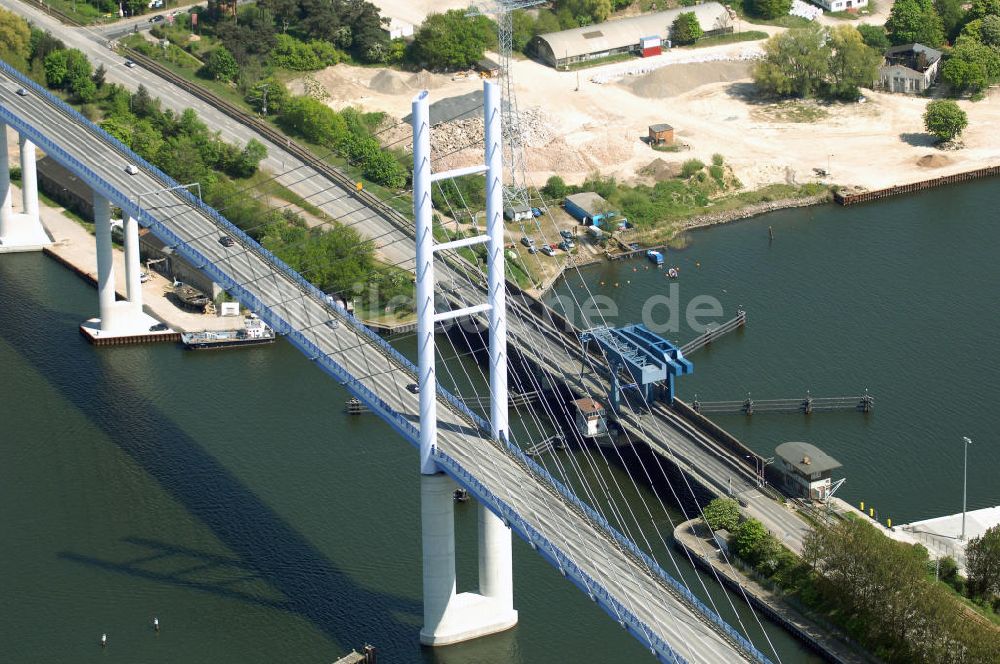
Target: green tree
[
  {"x": 795, "y": 63},
  {"x": 945, "y": 119},
  {"x": 452, "y": 40},
  {"x": 982, "y": 9},
  {"x": 313, "y": 120},
  {"x": 989, "y": 31},
  {"x": 722, "y": 514},
  {"x": 100, "y": 74},
  {"x": 875, "y": 37},
  {"x": 221, "y": 65},
  {"x": 55, "y": 69},
  {"x": 915, "y": 21},
  {"x": 982, "y": 561},
  {"x": 77, "y": 67},
  {"x": 685, "y": 29},
  {"x": 84, "y": 89},
  {"x": 270, "y": 90},
  {"x": 523, "y": 29},
  {"x": 750, "y": 541},
  {"x": 952, "y": 15},
  {"x": 546, "y": 22},
  {"x": 248, "y": 160},
  {"x": 15, "y": 37},
  {"x": 768, "y": 8},
  {"x": 586, "y": 12},
  {"x": 852, "y": 64},
  {"x": 383, "y": 168},
  {"x": 973, "y": 65},
  {"x": 555, "y": 187}
]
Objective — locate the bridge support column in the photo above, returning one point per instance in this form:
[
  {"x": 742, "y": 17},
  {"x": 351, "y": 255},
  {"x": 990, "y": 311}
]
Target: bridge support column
[
  {"x": 133, "y": 283},
  {"x": 450, "y": 617},
  {"x": 119, "y": 322},
  {"x": 24, "y": 231}
]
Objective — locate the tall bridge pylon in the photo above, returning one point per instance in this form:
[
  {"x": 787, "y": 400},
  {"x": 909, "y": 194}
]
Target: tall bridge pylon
[{"x": 450, "y": 617}]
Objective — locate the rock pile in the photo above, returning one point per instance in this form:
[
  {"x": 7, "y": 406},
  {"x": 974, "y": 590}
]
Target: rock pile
[{"x": 458, "y": 135}]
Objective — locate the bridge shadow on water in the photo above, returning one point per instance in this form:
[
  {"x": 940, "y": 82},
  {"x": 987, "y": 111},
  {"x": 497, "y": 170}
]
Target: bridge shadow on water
[{"x": 266, "y": 549}]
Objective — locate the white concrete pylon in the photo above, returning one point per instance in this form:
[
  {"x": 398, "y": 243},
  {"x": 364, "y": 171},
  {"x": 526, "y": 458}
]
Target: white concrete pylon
[
  {"x": 29, "y": 179},
  {"x": 496, "y": 578},
  {"x": 451, "y": 617},
  {"x": 6, "y": 209},
  {"x": 24, "y": 231},
  {"x": 133, "y": 269},
  {"x": 105, "y": 263}
]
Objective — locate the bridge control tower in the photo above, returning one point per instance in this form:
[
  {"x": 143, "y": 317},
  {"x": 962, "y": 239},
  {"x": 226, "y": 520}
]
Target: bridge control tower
[{"x": 450, "y": 617}]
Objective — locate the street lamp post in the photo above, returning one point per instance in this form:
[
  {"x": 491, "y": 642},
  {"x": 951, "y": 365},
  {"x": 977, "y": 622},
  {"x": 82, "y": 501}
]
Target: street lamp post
[{"x": 965, "y": 483}]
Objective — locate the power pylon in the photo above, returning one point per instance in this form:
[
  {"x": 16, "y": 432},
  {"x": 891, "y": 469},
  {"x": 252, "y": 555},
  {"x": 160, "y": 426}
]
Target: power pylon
[{"x": 515, "y": 191}]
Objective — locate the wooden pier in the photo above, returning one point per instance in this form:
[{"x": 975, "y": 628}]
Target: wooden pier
[
  {"x": 714, "y": 333},
  {"x": 878, "y": 194},
  {"x": 806, "y": 406}
]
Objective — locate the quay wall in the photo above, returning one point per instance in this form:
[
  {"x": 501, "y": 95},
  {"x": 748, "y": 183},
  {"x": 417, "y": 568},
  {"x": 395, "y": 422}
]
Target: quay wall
[{"x": 847, "y": 199}]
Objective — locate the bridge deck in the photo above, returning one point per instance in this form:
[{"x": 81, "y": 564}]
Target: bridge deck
[{"x": 626, "y": 583}]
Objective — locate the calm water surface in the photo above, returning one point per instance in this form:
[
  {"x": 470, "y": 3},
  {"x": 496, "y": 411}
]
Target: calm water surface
[{"x": 227, "y": 494}]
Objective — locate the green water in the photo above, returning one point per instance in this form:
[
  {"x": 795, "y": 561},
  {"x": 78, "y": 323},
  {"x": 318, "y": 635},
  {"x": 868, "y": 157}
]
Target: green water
[
  {"x": 898, "y": 297},
  {"x": 228, "y": 495}
]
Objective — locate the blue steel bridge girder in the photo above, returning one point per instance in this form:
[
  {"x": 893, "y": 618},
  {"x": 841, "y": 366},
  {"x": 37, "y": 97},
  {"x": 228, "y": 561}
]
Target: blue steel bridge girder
[{"x": 646, "y": 357}]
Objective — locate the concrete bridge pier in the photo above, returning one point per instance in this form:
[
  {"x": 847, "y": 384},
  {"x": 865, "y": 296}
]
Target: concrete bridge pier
[
  {"x": 119, "y": 321},
  {"x": 21, "y": 231},
  {"x": 451, "y": 617}
]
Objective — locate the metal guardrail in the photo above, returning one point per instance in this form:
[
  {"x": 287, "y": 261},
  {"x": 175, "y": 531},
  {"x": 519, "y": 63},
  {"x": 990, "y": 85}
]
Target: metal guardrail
[{"x": 376, "y": 403}]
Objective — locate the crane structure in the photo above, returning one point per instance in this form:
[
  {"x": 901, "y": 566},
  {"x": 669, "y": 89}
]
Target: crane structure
[{"x": 515, "y": 191}]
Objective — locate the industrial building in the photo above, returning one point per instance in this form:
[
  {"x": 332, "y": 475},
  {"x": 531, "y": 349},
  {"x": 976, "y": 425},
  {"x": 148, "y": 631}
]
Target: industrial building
[
  {"x": 806, "y": 470},
  {"x": 910, "y": 68},
  {"x": 841, "y": 5},
  {"x": 661, "y": 134},
  {"x": 642, "y": 35},
  {"x": 587, "y": 207}
]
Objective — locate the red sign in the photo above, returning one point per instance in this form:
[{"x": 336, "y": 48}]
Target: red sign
[{"x": 194, "y": 19}]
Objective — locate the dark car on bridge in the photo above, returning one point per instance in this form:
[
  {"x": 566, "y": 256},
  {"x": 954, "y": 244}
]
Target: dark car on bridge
[{"x": 226, "y": 241}]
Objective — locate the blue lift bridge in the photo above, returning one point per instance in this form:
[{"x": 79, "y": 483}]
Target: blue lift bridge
[{"x": 646, "y": 357}]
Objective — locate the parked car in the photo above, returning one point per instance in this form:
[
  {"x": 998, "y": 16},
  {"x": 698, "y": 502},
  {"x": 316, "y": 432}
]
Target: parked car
[
  {"x": 144, "y": 277},
  {"x": 527, "y": 241},
  {"x": 536, "y": 212},
  {"x": 413, "y": 387},
  {"x": 532, "y": 249},
  {"x": 159, "y": 18},
  {"x": 548, "y": 250},
  {"x": 21, "y": 92},
  {"x": 564, "y": 245},
  {"x": 566, "y": 235},
  {"x": 159, "y": 327},
  {"x": 226, "y": 241}
]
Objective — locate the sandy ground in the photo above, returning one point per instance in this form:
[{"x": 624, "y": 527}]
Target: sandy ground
[{"x": 591, "y": 127}]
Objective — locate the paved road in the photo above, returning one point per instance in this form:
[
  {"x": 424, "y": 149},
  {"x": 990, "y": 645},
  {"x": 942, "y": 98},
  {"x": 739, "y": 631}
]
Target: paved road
[
  {"x": 620, "y": 581},
  {"x": 394, "y": 247},
  {"x": 537, "y": 339}
]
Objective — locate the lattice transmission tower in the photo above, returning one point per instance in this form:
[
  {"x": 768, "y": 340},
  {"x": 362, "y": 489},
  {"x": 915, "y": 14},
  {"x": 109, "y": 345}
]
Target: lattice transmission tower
[{"x": 515, "y": 191}]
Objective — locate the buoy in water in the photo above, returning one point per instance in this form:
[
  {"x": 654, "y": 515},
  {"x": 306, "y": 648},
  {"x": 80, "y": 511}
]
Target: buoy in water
[
  {"x": 104, "y": 640},
  {"x": 156, "y": 624}
]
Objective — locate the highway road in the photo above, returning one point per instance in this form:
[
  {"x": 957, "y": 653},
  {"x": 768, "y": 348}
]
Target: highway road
[
  {"x": 538, "y": 339},
  {"x": 585, "y": 550}
]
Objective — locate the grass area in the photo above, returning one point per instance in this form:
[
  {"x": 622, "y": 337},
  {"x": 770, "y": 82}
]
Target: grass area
[
  {"x": 597, "y": 62},
  {"x": 673, "y": 147},
  {"x": 264, "y": 182},
  {"x": 730, "y": 38},
  {"x": 81, "y": 12},
  {"x": 801, "y": 111}
]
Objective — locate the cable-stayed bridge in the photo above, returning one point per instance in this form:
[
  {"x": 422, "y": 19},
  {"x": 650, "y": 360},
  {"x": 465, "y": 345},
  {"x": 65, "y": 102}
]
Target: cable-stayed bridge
[{"x": 610, "y": 568}]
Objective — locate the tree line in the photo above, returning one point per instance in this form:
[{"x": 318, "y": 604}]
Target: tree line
[
  {"x": 333, "y": 256},
  {"x": 880, "y": 591}
]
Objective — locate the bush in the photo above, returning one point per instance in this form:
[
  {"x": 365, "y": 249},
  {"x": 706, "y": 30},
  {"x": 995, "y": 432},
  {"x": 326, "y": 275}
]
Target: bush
[
  {"x": 718, "y": 159},
  {"x": 945, "y": 119},
  {"x": 717, "y": 173},
  {"x": 768, "y": 8},
  {"x": 555, "y": 187},
  {"x": 690, "y": 167},
  {"x": 722, "y": 514},
  {"x": 685, "y": 29}
]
